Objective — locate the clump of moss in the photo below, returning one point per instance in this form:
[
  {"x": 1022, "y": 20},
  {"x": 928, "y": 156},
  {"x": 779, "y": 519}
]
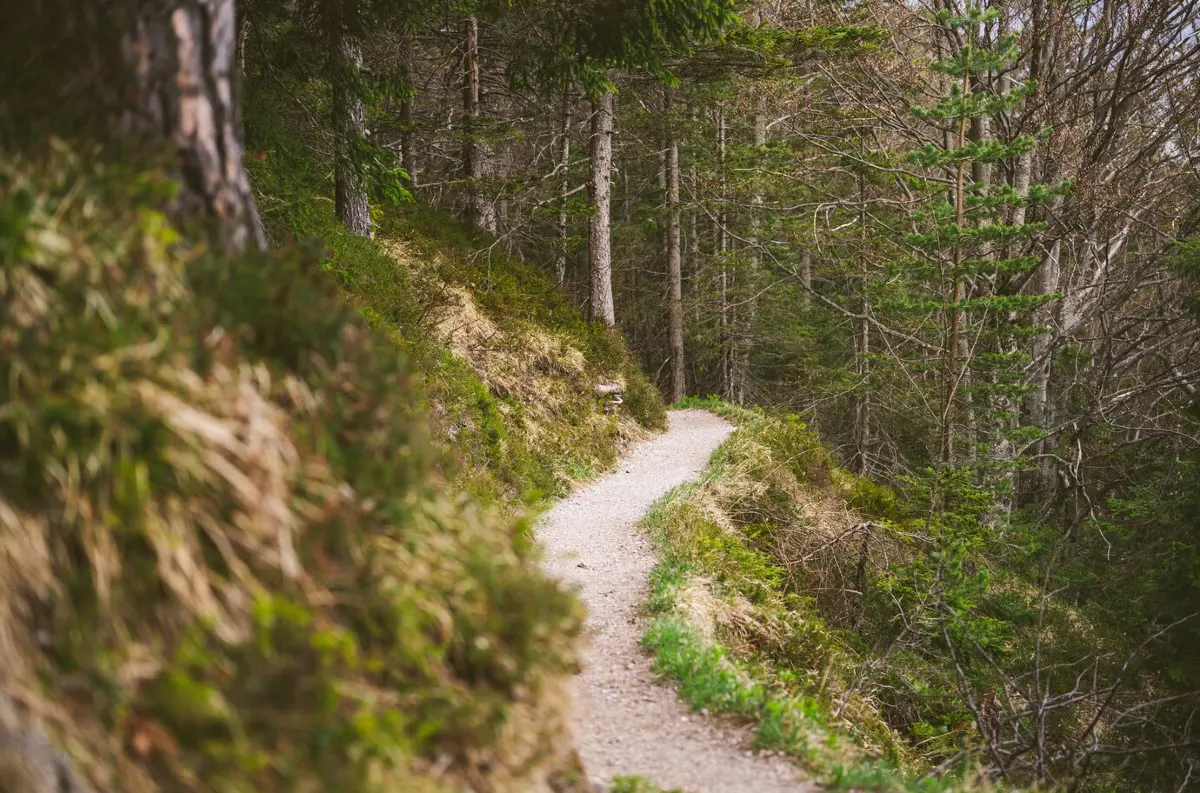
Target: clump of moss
[
  {"x": 637, "y": 784},
  {"x": 229, "y": 555}
]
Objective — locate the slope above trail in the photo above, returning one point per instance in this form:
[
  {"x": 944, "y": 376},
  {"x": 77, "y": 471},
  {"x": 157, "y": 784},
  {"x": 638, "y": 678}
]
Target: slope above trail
[{"x": 627, "y": 722}]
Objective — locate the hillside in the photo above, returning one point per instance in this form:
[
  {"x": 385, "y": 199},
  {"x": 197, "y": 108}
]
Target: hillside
[
  {"x": 801, "y": 600},
  {"x": 255, "y": 535},
  {"x": 507, "y": 368}
]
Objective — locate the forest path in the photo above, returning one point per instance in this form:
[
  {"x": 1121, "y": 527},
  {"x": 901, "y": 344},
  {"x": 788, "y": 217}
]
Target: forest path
[{"x": 627, "y": 722}]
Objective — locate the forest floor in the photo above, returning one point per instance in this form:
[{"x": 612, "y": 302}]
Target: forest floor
[{"x": 627, "y": 722}]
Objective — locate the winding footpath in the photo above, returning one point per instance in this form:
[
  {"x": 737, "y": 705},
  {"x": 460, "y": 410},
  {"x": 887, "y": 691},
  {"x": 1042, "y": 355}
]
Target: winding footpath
[{"x": 627, "y": 722}]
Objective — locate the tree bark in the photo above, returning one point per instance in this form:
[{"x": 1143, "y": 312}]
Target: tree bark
[
  {"x": 600, "y": 223},
  {"x": 674, "y": 259},
  {"x": 350, "y": 127},
  {"x": 760, "y": 141},
  {"x": 564, "y": 164},
  {"x": 727, "y": 351},
  {"x": 1022, "y": 168},
  {"x": 862, "y": 412},
  {"x": 157, "y": 76},
  {"x": 183, "y": 56},
  {"x": 482, "y": 211},
  {"x": 953, "y": 378},
  {"x": 806, "y": 277},
  {"x": 1045, "y": 280},
  {"x": 408, "y": 143},
  {"x": 741, "y": 361},
  {"x": 981, "y": 171},
  {"x": 1036, "y": 407},
  {"x": 693, "y": 246}
]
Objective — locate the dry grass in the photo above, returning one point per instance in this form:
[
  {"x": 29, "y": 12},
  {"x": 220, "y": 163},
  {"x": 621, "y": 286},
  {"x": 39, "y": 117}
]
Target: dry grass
[{"x": 544, "y": 382}]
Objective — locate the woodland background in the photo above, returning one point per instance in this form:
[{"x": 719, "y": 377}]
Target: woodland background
[{"x": 955, "y": 243}]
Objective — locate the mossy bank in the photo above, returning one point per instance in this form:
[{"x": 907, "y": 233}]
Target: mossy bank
[
  {"x": 761, "y": 608},
  {"x": 265, "y": 516}
]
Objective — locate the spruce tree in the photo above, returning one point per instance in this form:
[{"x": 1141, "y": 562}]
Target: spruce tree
[{"x": 961, "y": 267}]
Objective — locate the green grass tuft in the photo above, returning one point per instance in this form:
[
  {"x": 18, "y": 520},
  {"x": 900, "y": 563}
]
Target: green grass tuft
[{"x": 637, "y": 784}]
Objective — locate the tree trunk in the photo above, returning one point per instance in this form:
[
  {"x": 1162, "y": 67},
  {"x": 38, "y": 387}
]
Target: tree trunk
[
  {"x": 806, "y": 277},
  {"x": 482, "y": 212},
  {"x": 157, "y": 75},
  {"x": 981, "y": 171},
  {"x": 953, "y": 378},
  {"x": 862, "y": 412},
  {"x": 722, "y": 249},
  {"x": 408, "y": 144},
  {"x": 693, "y": 235},
  {"x": 1021, "y": 174},
  {"x": 185, "y": 79},
  {"x": 694, "y": 245},
  {"x": 760, "y": 140},
  {"x": 741, "y": 362},
  {"x": 1045, "y": 280},
  {"x": 1037, "y": 398},
  {"x": 408, "y": 132},
  {"x": 600, "y": 223},
  {"x": 981, "y": 130},
  {"x": 350, "y": 127},
  {"x": 564, "y": 164},
  {"x": 674, "y": 260}
]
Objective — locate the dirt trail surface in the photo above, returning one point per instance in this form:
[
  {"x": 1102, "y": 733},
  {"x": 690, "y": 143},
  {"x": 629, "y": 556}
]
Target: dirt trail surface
[{"x": 627, "y": 722}]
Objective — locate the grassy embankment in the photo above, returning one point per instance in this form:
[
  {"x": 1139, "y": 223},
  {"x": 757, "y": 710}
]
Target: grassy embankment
[
  {"x": 267, "y": 514},
  {"x": 763, "y": 608},
  {"x": 869, "y": 635}
]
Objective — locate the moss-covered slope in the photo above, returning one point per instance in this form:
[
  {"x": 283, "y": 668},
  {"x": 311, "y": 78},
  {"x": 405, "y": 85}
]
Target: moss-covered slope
[{"x": 235, "y": 556}]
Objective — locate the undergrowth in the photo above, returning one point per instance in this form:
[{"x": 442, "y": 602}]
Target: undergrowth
[
  {"x": 744, "y": 617},
  {"x": 925, "y": 632},
  {"x": 637, "y": 784}
]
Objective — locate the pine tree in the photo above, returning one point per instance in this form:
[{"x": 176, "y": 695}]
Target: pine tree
[{"x": 959, "y": 239}]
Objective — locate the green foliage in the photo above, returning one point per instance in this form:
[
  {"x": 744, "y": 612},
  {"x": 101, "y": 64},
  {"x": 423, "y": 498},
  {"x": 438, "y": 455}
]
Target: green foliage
[
  {"x": 868, "y": 498},
  {"x": 879, "y": 778},
  {"x": 933, "y": 154},
  {"x": 584, "y": 39},
  {"x": 707, "y": 678}
]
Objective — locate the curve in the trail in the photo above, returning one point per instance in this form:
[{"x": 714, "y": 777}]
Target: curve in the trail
[{"x": 627, "y": 722}]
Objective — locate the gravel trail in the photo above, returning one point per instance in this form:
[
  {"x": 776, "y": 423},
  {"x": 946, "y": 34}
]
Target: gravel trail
[{"x": 627, "y": 723}]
